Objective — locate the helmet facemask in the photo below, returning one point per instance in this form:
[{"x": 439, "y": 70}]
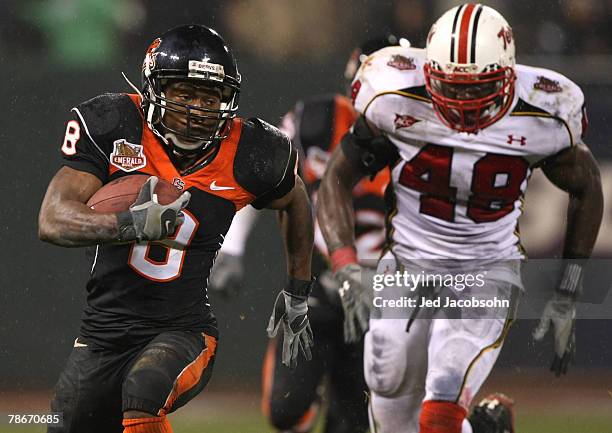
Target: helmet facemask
[
  {"x": 202, "y": 126},
  {"x": 468, "y": 102},
  {"x": 469, "y": 71}
]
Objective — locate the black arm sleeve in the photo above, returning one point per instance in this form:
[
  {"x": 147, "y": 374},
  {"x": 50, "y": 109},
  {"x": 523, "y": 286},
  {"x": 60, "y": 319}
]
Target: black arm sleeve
[{"x": 366, "y": 150}]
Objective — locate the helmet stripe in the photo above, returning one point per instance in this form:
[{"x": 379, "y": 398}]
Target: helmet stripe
[
  {"x": 474, "y": 30},
  {"x": 452, "y": 47},
  {"x": 463, "y": 32}
]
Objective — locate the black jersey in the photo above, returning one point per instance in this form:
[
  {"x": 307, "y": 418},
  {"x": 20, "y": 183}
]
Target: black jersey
[{"x": 138, "y": 290}]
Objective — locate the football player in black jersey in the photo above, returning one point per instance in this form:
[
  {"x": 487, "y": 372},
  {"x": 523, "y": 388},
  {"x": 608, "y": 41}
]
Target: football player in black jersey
[
  {"x": 148, "y": 336},
  {"x": 291, "y": 398}
]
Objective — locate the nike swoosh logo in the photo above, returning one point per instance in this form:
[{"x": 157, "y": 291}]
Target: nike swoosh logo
[
  {"x": 77, "y": 344},
  {"x": 214, "y": 187}
]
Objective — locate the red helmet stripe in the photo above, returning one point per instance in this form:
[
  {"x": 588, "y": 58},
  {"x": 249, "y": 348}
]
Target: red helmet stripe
[{"x": 463, "y": 32}]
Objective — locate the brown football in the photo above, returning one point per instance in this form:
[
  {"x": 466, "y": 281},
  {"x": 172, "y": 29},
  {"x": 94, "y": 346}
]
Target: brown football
[{"x": 120, "y": 194}]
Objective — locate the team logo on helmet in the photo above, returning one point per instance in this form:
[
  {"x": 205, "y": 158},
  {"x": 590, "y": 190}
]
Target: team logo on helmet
[
  {"x": 506, "y": 36},
  {"x": 547, "y": 85},
  {"x": 127, "y": 156},
  {"x": 404, "y": 121},
  {"x": 149, "y": 61},
  {"x": 402, "y": 63}
]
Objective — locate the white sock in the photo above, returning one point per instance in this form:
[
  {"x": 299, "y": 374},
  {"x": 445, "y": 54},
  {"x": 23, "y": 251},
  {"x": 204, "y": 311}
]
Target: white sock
[{"x": 466, "y": 427}]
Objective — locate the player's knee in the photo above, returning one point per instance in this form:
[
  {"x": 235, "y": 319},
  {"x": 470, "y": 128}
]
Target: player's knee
[
  {"x": 441, "y": 417},
  {"x": 381, "y": 376},
  {"x": 147, "y": 377},
  {"x": 384, "y": 383}
]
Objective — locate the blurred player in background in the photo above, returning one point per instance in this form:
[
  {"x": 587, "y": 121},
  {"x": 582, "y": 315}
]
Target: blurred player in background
[
  {"x": 462, "y": 128},
  {"x": 291, "y": 399},
  {"x": 148, "y": 336}
]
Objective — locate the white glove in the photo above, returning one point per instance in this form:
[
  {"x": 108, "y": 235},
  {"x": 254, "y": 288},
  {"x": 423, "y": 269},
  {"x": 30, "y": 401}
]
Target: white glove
[
  {"x": 147, "y": 220},
  {"x": 291, "y": 313},
  {"x": 560, "y": 311},
  {"x": 356, "y": 298}
]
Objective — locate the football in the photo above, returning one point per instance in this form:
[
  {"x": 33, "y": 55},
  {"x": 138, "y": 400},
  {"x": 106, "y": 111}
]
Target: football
[{"x": 120, "y": 194}]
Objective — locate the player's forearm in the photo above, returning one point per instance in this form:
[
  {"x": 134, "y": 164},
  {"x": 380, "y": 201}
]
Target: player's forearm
[
  {"x": 584, "y": 216},
  {"x": 72, "y": 224},
  {"x": 297, "y": 224},
  {"x": 335, "y": 211}
]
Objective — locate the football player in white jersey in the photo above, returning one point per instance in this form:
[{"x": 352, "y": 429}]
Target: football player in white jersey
[{"x": 462, "y": 127}]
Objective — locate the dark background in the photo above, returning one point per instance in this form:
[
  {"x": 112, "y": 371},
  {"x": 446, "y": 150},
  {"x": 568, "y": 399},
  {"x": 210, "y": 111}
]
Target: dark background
[{"x": 55, "y": 54}]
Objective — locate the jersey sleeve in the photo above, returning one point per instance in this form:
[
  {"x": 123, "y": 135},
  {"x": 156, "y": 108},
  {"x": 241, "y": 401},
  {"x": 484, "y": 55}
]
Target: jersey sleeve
[
  {"x": 568, "y": 105},
  {"x": 95, "y": 125},
  {"x": 79, "y": 150},
  {"x": 386, "y": 71},
  {"x": 560, "y": 98},
  {"x": 265, "y": 163},
  {"x": 577, "y": 119}
]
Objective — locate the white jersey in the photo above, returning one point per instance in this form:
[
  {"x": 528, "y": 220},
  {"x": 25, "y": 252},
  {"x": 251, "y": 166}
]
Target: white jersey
[{"x": 459, "y": 195}]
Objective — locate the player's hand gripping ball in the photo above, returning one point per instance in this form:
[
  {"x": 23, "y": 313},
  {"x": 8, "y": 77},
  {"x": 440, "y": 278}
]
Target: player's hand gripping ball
[{"x": 147, "y": 208}]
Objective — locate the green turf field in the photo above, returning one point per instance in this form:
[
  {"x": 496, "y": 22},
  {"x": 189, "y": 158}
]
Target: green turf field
[
  {"x": 580, "y": 403},
  {"x": 250, "y": 421}
]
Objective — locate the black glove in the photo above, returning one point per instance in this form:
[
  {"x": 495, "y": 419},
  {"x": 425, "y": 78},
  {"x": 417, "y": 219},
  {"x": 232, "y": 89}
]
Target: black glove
[
  {"x": 291, "y": 312},
  {"x": 147, "y": 220},
  {"x": 226, "y": 275}
]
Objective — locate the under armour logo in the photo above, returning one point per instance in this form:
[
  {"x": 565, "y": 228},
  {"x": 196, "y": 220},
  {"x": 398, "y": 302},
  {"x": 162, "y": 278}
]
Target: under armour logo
[
  {"x": 522, "y": 141},
  {"x": 346, "y": 286}
]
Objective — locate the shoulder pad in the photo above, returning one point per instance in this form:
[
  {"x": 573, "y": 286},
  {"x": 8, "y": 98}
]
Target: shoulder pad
[
  {"x": 388, "y": 70},
  {"x": 263, "y": 157},
  {"x": 111, "y": 116},
  {"x": 554, "y": 94}
]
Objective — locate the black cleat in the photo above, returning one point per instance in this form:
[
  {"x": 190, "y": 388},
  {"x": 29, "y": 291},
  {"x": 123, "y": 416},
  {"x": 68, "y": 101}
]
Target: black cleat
[{"x": 493, "y": 414}]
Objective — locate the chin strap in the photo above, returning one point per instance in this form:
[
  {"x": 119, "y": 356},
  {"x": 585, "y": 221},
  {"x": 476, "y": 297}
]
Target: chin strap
[{"x": 181, "y": 144}]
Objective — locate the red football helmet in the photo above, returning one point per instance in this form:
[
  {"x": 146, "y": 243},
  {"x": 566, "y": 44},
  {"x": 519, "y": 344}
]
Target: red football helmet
[{"x": 469, "y": 71}]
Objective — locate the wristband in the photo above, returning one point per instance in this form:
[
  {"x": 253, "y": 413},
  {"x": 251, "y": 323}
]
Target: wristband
[
  {"x": 297, "y": 287},
  {"x": 343, "y": 256},
  {"x": 571, "y": 279}
]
